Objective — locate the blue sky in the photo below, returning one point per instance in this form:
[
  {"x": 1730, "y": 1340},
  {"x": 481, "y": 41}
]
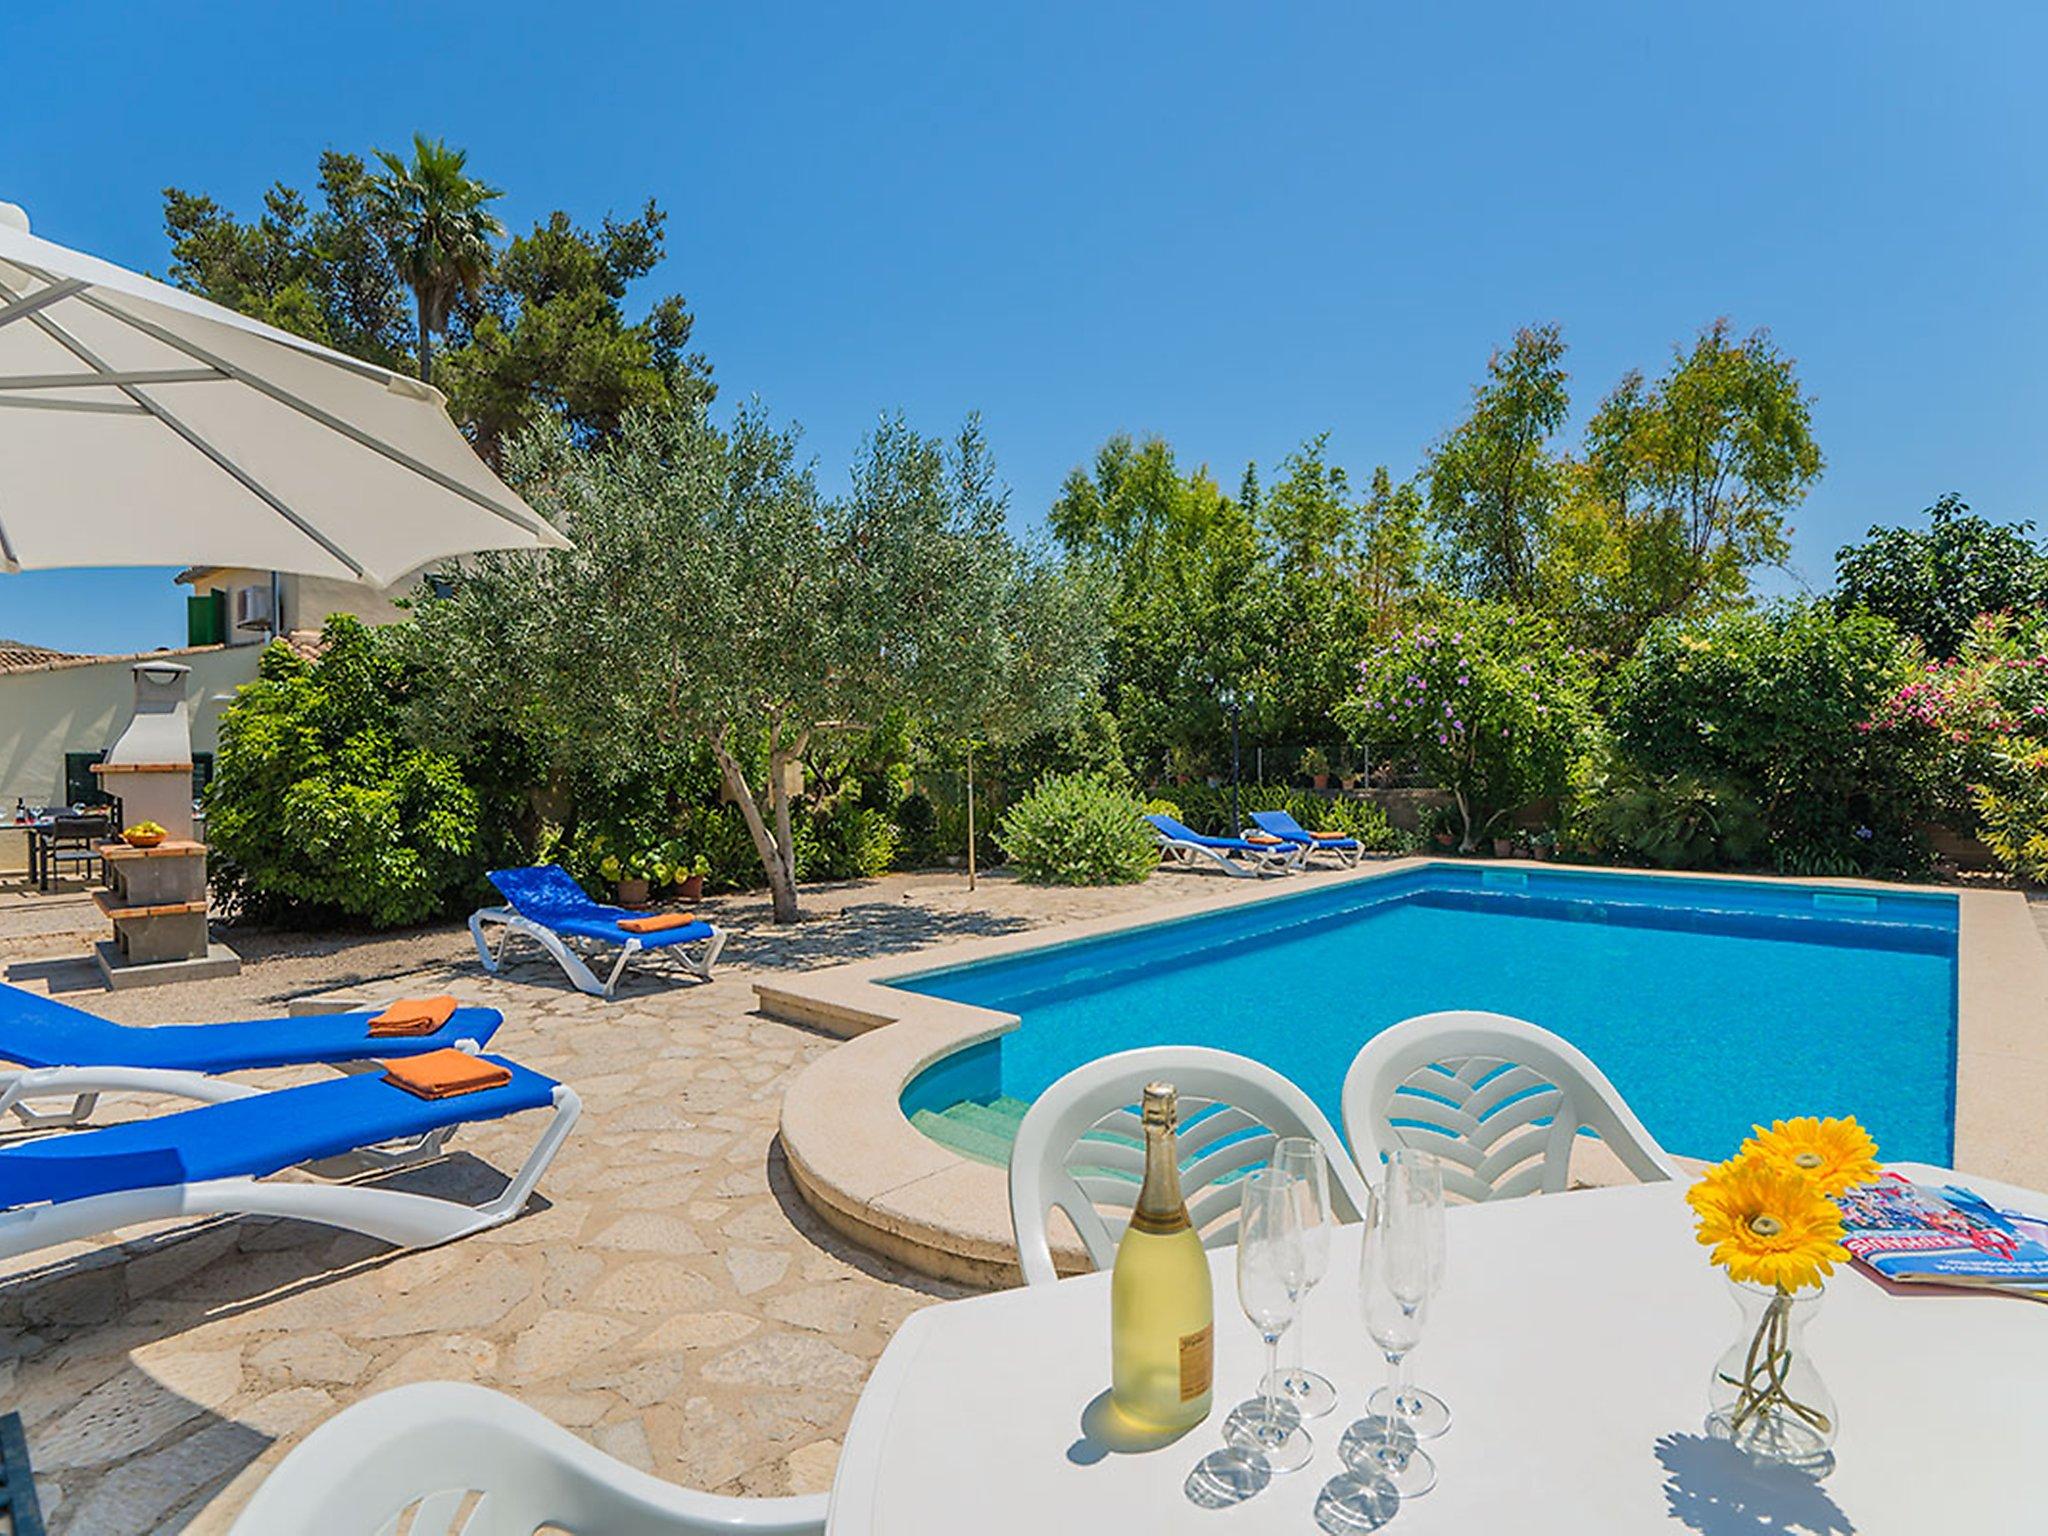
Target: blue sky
[{"x": 1232, "y": 225}]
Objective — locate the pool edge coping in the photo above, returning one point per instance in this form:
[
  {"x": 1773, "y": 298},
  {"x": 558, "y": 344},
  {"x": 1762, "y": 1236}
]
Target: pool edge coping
[{"x": 877, "y": 1179}]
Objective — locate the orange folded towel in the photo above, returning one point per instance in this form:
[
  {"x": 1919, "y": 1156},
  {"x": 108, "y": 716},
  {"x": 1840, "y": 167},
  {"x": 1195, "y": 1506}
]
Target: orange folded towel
[
  {"x": 658, "y": 922},
  {"x": 413, "y": 1016},
  {"x": 445, "y": 1074},
  {"x": 1331, "y": 837},
  {"x": 1263, "y": 837}
]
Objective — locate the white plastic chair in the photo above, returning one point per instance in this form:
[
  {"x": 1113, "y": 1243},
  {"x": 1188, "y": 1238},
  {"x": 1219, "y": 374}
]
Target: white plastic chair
[
  {"x": 1471, "y": 1087},
  {"x": 1081, "y": 1147},
  {"x": 461, "y": 1460}
]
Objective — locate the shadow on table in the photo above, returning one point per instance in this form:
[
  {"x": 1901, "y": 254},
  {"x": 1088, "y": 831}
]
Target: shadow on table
[
  {"x": 1105, "y": 1432},
  {"x": 1716, "y": 1490}
]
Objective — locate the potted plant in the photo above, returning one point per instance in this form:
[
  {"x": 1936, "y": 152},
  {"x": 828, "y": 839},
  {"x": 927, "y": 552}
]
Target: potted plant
[
  {"x": 1504, "y": 847},
  {"x": 1315, "y": 762},
  {"x": 1543, "y": 845},
  {"x": 688, "y": 873},
  {"x": 630, "y": 876},
  {"x": 144, "y": 834}
]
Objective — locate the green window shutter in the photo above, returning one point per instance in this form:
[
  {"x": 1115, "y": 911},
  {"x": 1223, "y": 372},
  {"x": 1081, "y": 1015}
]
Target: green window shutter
[{"x": 206, "y": 618}]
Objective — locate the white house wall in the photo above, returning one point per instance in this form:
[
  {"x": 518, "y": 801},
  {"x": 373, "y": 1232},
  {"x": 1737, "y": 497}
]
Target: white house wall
[{"x": 82, "y": 707}]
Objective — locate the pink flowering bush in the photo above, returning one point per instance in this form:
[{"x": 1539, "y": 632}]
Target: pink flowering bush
[
  {"x": 1492, "y": 703},
  {"x": 1981, "y": 722}
]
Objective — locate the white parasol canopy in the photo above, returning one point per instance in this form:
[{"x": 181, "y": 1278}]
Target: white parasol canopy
[{"x": 141, "y": 425}]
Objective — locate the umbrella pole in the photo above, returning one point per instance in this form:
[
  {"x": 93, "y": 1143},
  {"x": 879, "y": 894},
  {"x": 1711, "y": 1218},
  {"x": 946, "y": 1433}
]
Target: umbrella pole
[{"x": 970, "y": 815}]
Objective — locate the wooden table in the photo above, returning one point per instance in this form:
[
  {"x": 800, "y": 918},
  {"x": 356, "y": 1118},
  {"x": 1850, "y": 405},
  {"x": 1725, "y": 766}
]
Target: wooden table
[{"x": 1573, "y": 1341}]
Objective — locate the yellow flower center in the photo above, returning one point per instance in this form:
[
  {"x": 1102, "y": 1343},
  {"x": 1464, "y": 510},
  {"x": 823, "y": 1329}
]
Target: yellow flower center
[
  {"x": 1808, "y": 1159},
  {"x": 1766, "y": 1226}
]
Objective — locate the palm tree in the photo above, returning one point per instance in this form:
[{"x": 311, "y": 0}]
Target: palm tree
[{"x": 433, "y": 215}]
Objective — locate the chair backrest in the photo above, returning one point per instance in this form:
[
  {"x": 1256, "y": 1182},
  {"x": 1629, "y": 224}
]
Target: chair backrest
[
  {"x": 1081, "y": 1147},
  {"x": 1498, "y": 1100},
  {"x": 461, "y": 1460},
  {"x": 1166, "y": 826},
  {"x": 1279, "y": 823},
  {"x": 542, "y": 891}
]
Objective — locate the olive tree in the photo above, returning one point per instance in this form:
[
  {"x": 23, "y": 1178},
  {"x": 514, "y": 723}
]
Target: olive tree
[{"x": 713, "y": 594}]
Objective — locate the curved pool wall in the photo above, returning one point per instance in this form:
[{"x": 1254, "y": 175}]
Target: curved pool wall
[{"x": 1712, "y": 1004}]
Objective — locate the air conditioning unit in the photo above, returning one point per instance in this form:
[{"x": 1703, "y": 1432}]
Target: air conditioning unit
[{"x": 252, "y": 608}]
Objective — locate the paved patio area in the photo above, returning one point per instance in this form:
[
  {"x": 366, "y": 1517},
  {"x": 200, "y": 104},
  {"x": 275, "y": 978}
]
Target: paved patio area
[{"x": 672, "y": 1300}]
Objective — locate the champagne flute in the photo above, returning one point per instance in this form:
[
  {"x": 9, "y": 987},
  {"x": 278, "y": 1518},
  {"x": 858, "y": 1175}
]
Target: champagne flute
[
  {"x": 1425, "y": 1412},
  {"x": 1393, "y": 1287},
  {"x": 1302, "y": 1156},
  {"x": 1271, "y": 1275}
]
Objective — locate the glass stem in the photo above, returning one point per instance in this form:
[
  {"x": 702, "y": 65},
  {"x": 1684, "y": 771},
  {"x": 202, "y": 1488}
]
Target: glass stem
[
  {"x": 1394, "y": 1407},
  {"x": 1404, "y": 1395},
  {"x": 1295, "y": 1379},
  {"x": 1272, "y": 1406}
]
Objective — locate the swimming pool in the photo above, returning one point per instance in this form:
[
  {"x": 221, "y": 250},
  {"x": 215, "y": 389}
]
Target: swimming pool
[{"x": 1711, "y": 1004}]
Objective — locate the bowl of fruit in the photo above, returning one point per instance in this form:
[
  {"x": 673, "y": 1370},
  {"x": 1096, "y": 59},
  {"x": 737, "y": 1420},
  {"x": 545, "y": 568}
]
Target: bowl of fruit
[{"x": 144, "y": 834}]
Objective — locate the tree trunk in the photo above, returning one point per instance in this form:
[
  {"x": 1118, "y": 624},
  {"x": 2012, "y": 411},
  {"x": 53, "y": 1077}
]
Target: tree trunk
[
  {"x": 970, "y": 815},
  {"x": 1468, "y": 842},
  {"x": 426, "y": 344},
  {"x": 781, "y": 875}
]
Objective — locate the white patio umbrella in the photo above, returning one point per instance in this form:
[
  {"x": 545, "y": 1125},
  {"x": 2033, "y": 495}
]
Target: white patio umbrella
[{"x": 140, "y": 425}]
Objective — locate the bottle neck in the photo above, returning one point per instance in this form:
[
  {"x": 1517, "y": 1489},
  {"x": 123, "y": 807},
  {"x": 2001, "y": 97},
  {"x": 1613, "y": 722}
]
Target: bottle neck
[{"x": 1160, "y": 1207}]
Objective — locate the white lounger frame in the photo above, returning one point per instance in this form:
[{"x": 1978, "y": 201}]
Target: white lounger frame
[
  {"x": 565, "y": 949},
  {"x": 389, "y": 1215},
  {"x": 1283, "y": 857}
]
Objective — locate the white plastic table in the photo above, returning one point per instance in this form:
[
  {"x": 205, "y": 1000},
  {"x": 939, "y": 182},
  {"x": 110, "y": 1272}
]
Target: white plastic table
[{"x": 1574, "y": 1341}]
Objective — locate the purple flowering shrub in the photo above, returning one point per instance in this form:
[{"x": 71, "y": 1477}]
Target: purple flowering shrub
[{"x": 1491, "y": 702}]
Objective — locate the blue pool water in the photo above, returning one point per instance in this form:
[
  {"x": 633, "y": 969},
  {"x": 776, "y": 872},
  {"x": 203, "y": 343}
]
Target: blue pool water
[{"x": 1711, "y": 1005}]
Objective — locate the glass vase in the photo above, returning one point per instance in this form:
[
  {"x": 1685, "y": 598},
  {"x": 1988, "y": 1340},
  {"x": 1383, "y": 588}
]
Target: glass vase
[{"x": 1766, "y": 1398}]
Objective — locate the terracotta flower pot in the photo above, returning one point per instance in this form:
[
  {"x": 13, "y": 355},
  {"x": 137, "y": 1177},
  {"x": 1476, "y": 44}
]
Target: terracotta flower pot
[
  {"x": 1320, "y": 780},
  {"x": 633, "y": 893},
  {"x": 1503, "y": 847},
  {"x": 691, "y": 889}
]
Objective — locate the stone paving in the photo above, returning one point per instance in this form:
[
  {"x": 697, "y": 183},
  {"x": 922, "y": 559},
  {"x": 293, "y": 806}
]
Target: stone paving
[{"x": 668, "y": 1297}]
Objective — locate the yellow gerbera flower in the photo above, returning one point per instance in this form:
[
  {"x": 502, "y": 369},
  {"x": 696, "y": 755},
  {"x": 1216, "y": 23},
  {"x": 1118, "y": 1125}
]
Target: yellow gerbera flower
[
  {"x": 1768, "y": 1223},
  {"x": 1835, "y": 1154}
]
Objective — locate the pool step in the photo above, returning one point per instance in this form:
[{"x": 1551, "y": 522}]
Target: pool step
[{"x": 983, "y": 1133}]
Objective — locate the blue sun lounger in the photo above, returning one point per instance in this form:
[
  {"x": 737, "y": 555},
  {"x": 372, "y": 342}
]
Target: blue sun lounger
[
  {"x": 210, "y": 1160},
  {"x": 42, "y": 1033},
  {"x": 1280, "y": 824},
  {"x": 1233, "y": 855},
  {"x": 550, "y": 908}
]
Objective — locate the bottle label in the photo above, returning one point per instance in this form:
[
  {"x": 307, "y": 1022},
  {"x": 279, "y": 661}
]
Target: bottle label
[{"x": 1197, "y": 1362}]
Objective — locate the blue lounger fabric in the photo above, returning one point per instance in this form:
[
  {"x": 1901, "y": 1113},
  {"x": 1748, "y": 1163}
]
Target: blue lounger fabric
[
  {"x": 548, "y": 895},
  {"x": 1280, "y": 824},
  {"x": 248, "y": 1138},
  {"x": 1181, "y": 833},
  {"x": 38, "y": 1031}
]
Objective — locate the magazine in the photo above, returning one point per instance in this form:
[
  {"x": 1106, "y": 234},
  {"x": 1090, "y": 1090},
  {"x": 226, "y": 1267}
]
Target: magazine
[{"x": 1948, "y": 1236}]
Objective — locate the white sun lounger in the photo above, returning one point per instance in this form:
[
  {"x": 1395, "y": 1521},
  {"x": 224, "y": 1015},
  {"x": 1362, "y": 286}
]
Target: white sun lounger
[{"x": 214, "y": 1160}]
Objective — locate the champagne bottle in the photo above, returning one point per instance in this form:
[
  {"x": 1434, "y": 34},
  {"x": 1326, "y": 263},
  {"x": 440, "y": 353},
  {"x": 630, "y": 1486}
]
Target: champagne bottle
[{"x": 1161, "y": 1314}]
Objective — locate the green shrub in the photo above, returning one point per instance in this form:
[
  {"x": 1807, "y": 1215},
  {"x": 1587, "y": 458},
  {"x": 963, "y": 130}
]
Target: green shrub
[
  {"x": 1776, "y": 705},
  {"x": 1075, "y": 829},
  {"x": 1680, "y": 822},
  {"x": 848, "y": 841},
  {"x": 319, "y": 808}
]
